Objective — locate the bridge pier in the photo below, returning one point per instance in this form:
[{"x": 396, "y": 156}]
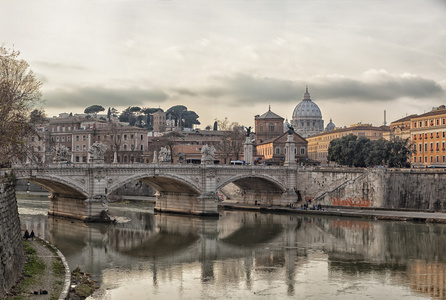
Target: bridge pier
[
  {"x": 193, "y": 204},
  {"x": 71, "y": 206}
]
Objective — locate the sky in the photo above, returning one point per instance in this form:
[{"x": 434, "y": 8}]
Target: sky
[{"x": 234, "y": 58}]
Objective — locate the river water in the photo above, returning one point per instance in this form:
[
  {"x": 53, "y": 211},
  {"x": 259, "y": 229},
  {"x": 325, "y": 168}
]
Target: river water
[{"x": 247, "y": 255}]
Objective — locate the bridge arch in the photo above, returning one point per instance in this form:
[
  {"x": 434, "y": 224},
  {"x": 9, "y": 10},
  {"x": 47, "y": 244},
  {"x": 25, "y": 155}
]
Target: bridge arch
[
  {"x": 255, "y": 182},
  {"x": 58, "y": 185},
  {"x": 161, "y": 183}
]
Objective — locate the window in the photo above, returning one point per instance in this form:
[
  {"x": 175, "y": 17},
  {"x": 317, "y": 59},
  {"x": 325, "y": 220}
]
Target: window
[
  {"x": 58, "y": 128},
  {"x": 425, "y": 147},
  {"x": 271, "y": 128},
  {"x": 302, "y": 150},
  {"x": 63, "y": 128},
  {"x": 131, "y": 136},
  {"x": 57, "y": 139},
  {"x": 277, "y": 150},
  {"x": 125, "y": 137},
  {"x": 63, "y": 139},
  {"x": 437, "y": 158},
  {"x": 68, "y": 138},
  {"x": 261, "y": 128},
  {"x": 77, "y": 147},
  {"x": 415, "y": 159},
  {"x": 425, "y": 159},
  {"x": 432, "y": 159},
  {"x": 84, "y": 138},
  {"x": 77, "y": 158},
  {"x": 77, "y": 138},
  {"x": 69, "y": 127},
  {"x": 84, "y": 159},
  {"x": 125, "y": 146},
  {"x": 421, "y": 147},
  {"x": 142, "y": 147},
  {"x": 142, "y": 137},
  {"x": 84, "y": 147},
  {"x": 443, "y": 158}
]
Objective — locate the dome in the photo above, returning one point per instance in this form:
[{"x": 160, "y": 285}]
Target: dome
[
  {"x": 330, "y": 126},
  {"x": 307, "y": 108}
]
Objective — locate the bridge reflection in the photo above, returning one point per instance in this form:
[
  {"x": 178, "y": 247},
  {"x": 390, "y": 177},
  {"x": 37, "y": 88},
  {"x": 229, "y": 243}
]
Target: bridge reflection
[{"x": 240, "y": 244}]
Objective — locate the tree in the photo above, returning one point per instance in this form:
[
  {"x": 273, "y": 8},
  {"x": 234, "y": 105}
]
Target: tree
[
  {"x": 94, "y": 109},
  {"x": 19, "y": 93},
  {"x": 362, "y": 152},
  {"x": 37, "y": 116},
  {"x": 177, "y": 114},
  {"x": 190, "y": 118},
  {"x": 231, "y": 143}
]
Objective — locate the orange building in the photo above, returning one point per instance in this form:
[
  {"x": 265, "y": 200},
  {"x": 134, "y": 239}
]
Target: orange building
[
  {"x": 428, "y": 133},
  {"x": 273, "y": 151}
]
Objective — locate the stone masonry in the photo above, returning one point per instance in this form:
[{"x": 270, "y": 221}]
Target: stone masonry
[{"x": 11, "y": 248}]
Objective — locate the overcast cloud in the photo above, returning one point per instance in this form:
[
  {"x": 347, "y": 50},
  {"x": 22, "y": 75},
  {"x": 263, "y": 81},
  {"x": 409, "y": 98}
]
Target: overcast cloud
[{"x": 234, "y": 58}]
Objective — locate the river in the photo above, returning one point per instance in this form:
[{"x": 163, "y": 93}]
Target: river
[{"x": 247, "y": 255}]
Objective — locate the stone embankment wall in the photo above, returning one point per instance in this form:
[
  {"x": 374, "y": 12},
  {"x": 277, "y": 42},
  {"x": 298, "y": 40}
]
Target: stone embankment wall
[
  {"x": 423, "y": 189},
  {"x": 415, "y": 189},
  {"x": 11, "y": 248}
]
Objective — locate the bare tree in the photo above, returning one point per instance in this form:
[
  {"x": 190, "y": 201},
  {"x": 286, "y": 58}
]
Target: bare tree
[
  {"x": 231, "y": 143},
  {"x": 19, "y": 93}
]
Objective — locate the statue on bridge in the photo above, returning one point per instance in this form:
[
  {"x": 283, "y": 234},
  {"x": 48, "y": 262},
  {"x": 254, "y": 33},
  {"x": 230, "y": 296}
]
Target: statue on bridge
[
  {"x": 97, "y": 151},
  {"x": 60, "y": 153},
  {"x": 207, "y": 154},
  {"x": 165, "y": 155}
]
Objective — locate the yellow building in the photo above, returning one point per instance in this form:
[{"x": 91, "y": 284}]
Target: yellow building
[
  {"x": 399, "y": 129},
  {"x": 428, "y": 133},
  {"x": 318, "y": 144}
]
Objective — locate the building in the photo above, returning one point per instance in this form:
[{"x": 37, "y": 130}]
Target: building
[
  {"x": 273, "y": 151},
  {"x": 307, "y": 117},
  {"x": 318, "y": 144},
  {"x": 428, "y": 137},
  {"x": 267, "y": 126},
  {"x": 399, "y": 129},
  {"x": 159, "y": 121}
]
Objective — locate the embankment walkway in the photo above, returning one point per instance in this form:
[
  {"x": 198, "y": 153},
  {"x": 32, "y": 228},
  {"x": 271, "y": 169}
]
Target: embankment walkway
[{"x": 370, "y": 213}]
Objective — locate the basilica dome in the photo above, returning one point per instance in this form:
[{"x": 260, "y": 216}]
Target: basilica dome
[
  {"x": 307, "y": 108},
  {"x": 307, "y": 117}
]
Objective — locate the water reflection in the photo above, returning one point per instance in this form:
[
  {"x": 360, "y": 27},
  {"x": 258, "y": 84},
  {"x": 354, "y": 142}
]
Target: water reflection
[{"x": 249, "y": 254}]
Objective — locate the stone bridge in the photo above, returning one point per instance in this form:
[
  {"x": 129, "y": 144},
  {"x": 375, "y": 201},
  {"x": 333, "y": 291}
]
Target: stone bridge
[{"x": 81, "y": 190}]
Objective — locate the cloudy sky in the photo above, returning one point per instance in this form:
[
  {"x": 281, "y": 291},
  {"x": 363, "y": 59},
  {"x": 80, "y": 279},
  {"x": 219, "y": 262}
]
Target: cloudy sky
[{"x": 234, "y": 58}]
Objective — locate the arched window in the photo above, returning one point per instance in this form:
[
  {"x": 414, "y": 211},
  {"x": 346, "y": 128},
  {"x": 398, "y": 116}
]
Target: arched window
[
  {"x": 277, "y": 150},
  {"x": 271, "y": 127}
]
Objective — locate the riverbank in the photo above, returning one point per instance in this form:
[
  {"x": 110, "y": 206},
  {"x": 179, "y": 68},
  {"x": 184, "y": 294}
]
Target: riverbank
[
  {"x": 369, "y": 213},
  {"x": 45, "y": 275}
]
